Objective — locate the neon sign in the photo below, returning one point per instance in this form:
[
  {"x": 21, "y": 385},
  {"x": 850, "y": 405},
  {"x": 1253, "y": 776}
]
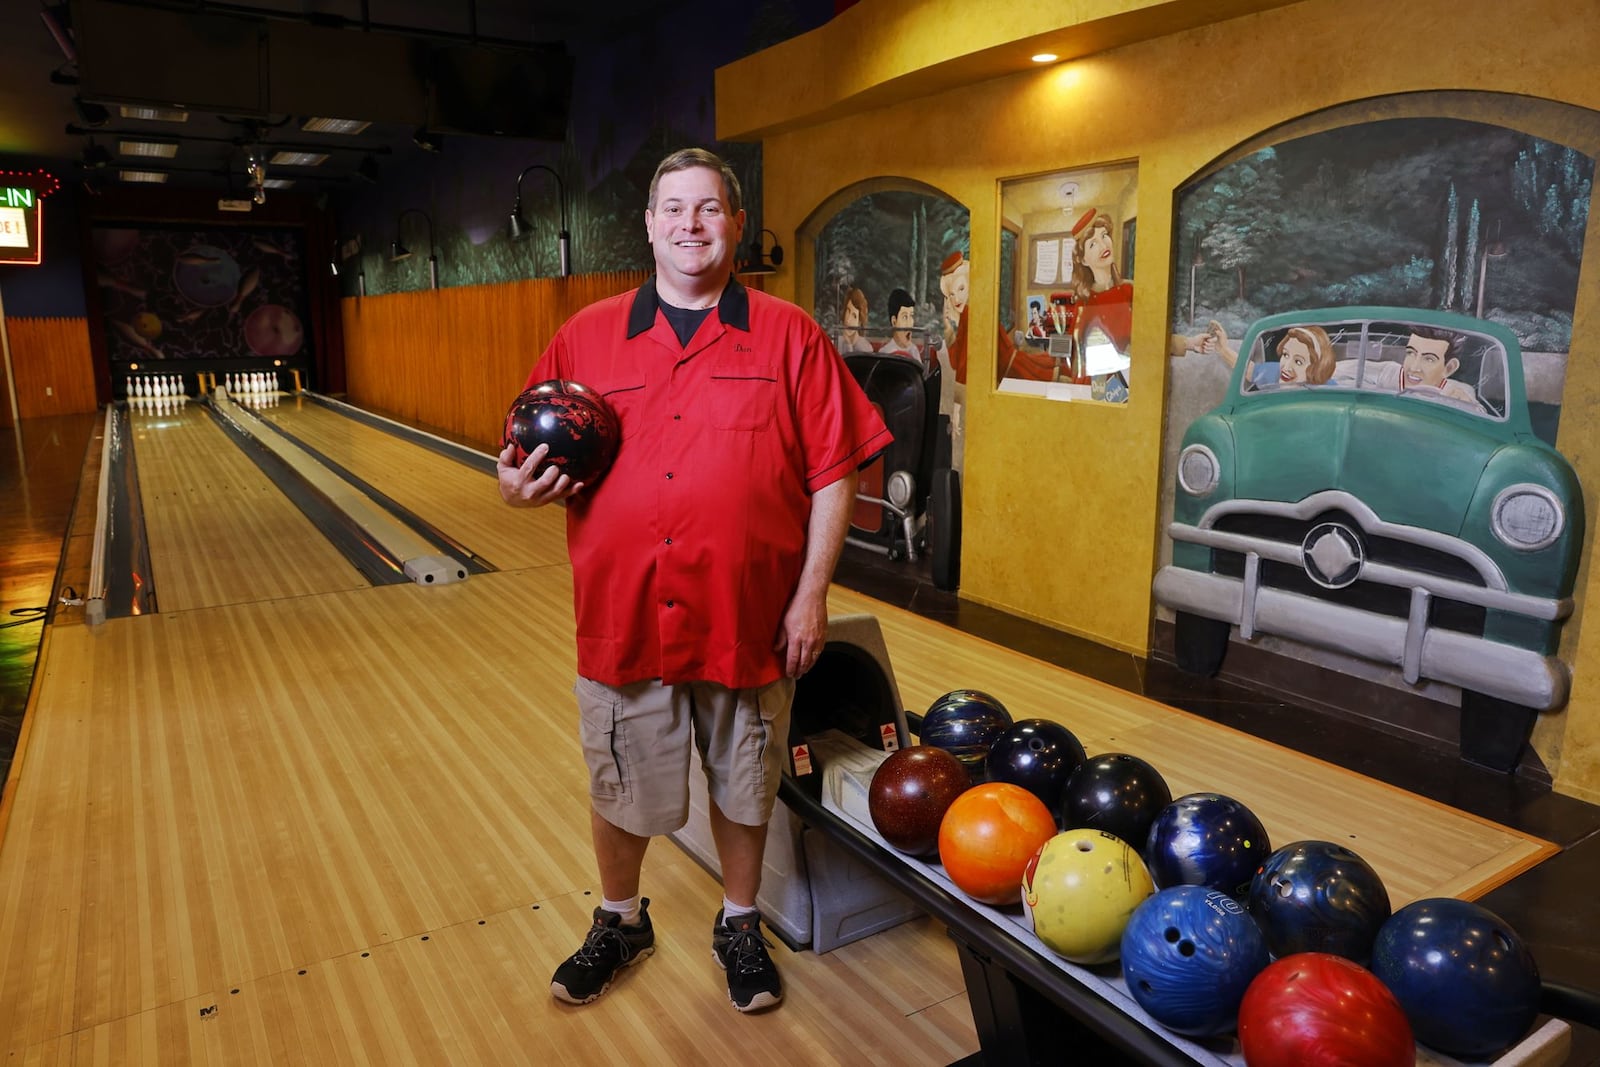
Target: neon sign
[{"x": 21, "y": 214}]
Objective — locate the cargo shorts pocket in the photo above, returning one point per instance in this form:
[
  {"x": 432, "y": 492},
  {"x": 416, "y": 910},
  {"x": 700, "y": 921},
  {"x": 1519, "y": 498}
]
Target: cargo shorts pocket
[{"x": 604, "y": 739}]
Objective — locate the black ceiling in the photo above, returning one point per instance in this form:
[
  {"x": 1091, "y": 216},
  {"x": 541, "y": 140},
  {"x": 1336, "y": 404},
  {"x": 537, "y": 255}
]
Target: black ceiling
[{"x": 233, "y": 64}]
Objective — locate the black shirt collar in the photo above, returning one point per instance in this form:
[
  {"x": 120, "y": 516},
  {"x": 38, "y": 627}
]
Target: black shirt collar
[{"x": 733, "y": 307}]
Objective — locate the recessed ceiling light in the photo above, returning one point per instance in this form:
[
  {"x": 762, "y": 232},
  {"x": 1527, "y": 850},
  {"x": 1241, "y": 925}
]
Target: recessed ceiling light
[
  {"x": 1045, "y": 57},
  {"x": 298, "y": 159},
  {"x": 345, "y": 126},
  {"x": 157, "y": 149},
  {"x": 153, "y": 114},
  {"x": 142, "y": 175}
]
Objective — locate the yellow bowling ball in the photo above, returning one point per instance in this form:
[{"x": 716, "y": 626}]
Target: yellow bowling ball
[
  {"x": 147, "y": 325},
  {"x": 1079, "y": 891}
]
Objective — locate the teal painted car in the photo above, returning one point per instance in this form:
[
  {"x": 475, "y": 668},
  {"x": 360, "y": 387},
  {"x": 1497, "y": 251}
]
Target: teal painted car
[{"x": 1372, "y": 484}]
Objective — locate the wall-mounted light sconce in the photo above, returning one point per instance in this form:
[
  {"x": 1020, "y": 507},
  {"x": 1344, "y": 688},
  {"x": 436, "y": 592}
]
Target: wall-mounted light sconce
[
  {"x": 519, "y": 228},
  {"x": 398, "y": 251},
  {"x": 758, "y": 262}
]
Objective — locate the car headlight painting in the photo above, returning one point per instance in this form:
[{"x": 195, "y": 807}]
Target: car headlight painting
[
  {"x": 1198, "y": 470},
  {"x": 1527, "y": 517}
]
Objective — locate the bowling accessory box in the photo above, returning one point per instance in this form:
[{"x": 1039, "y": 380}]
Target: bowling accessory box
[{"x": 847, "y": 717}]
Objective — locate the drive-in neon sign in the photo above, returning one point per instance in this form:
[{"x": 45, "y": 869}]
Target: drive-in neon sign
[{"x": 21, "y": 214}]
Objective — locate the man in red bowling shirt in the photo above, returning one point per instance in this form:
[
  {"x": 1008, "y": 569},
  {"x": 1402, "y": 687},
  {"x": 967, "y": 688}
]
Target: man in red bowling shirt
[{"x": 701, "y": 560}]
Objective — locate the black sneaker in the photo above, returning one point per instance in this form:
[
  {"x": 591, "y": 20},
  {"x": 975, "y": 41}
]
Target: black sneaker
[
  {"x": 739, "y": 949},
  {"x": 608, "y": 947}
]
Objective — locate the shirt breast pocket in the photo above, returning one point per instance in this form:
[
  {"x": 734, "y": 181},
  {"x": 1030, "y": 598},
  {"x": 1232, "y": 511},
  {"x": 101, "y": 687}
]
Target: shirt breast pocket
[
  {"x": 627, "y": 403},
  {"x": 743, "y": 397}
]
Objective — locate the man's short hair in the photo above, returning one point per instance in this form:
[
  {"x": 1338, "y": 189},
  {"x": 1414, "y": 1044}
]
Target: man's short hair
[
  {"x": 688, "y": 159},
  {"x": 1454, "y": 341},
  {"x": 897, "y": 300}
]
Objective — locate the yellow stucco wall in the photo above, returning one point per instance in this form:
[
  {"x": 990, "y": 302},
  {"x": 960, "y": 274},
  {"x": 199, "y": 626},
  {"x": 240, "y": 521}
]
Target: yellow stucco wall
[{"x": 1061, "y": 500}]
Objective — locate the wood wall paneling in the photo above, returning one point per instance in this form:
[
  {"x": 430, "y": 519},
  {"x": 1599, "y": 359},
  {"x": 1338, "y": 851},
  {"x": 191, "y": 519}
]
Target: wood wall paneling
[
  {"x": 55, "y": 373},
  {"x": 454, "y": 359}
]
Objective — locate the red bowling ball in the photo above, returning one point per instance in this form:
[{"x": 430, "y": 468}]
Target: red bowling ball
[
  {"x": 1315, "y": 1009},
  {"x": 910, "y": 793}
]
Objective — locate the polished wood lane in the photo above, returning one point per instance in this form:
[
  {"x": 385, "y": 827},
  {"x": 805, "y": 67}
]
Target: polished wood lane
[
  {"x": 463, "y": 503},
  {"x": 219, "y": 531},
  {"x": 227, "y": 796}
]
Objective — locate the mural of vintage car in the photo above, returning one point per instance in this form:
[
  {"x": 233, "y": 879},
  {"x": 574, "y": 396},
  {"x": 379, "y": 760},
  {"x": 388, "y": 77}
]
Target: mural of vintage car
[{"x": 1371, "y": 484}]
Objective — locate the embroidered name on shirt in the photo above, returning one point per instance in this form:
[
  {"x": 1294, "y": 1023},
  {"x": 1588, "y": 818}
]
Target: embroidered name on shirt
[{"x": 737, "y": 347}]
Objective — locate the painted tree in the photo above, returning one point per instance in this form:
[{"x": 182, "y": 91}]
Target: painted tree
[
  {"x": 1447, "y": 261},
  {"x": 1239, "y": 214},
  {"x": 1469, "y": 261}
]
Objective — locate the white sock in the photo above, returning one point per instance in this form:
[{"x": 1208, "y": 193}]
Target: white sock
[
  {"x": 628, "y": 909},
  {"x": 731, "y": 911}
]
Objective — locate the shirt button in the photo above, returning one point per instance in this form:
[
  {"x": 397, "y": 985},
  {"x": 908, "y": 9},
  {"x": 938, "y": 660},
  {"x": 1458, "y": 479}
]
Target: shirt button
[
  {"x": 675, "y": 418},
  {"x": 669, "y": 603},
  {"x": 669, "y": 541},
  {"x": 669, "y": 476}
]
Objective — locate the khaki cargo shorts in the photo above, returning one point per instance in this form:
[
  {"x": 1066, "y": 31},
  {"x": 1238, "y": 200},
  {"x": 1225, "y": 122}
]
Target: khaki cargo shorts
[{"x": 636, "y": 742}]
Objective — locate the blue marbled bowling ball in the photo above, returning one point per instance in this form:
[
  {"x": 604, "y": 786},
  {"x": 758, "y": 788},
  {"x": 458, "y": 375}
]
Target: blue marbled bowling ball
[
  {"x": 965, "y": 722},
  {"x": 1462, "y": 975},
  {"x": 1318, "y": 896},
  {"x": 1188, "y": 955},
  {"x": 1206, "y": 839}
]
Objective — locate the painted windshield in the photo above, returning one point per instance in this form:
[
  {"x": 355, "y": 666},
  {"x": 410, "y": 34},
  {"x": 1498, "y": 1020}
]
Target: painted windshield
[{"x": 1431, "y": 364}]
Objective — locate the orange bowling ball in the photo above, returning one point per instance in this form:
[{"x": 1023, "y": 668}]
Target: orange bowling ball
[{"x": 987, "y": 838}]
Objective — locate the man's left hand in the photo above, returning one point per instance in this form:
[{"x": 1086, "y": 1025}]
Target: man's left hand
[{"x": 803, "y": 635}]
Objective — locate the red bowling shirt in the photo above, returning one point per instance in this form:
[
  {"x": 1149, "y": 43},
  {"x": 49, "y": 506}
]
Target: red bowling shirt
[{"x": 687, "y": 552}]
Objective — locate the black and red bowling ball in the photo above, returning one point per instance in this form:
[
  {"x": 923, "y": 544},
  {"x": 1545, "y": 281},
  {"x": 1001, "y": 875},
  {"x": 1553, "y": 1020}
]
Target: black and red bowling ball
[
  {"x": 910, "y": 793},
  {"x": 1117, "y": 793},
  {"x": 579, "y": 427},
  {"x": 1036, "y": 754}
]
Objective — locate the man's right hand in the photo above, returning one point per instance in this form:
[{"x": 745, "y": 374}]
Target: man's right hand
[{"x": 520, "y": 489}]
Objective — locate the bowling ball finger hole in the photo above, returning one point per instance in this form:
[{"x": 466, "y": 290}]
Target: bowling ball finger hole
[
  {"x": 1172, "y": 935},
  {"x": 1285, "y": 890},
  {"x": 1503, "y": 941},
  {"x": 1036, "y": 743},
  {"x": 1084, "y": 846},
  {"x": 1186, "y": 948}
]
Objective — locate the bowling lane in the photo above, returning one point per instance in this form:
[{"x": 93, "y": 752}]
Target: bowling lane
[
  {"x": 219, "y": 531},
  {"x": 461, "y": 502}
]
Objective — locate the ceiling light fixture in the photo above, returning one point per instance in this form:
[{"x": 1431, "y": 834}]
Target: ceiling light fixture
[
  {"x": 283, "y": 158},
  {"x": 347, "y": 127},
  {"x": 153, "y": 149},
  {"x": 1045, "y": 57},
  {"x": 152, "y": 114}
]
